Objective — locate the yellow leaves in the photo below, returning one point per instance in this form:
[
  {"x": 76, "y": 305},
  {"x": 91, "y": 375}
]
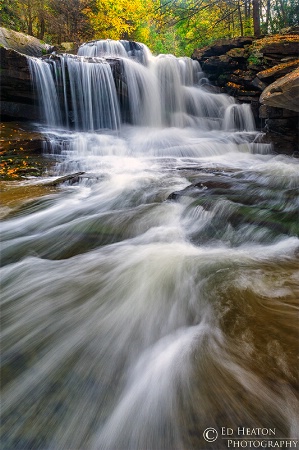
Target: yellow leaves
[{"x": 121, "y": 19}]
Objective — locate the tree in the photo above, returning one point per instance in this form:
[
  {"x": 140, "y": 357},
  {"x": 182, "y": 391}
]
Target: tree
[
  {"x": 124, "y": 19},
  {"x": 9, "y": 16},
  {"x": 256, "y": 18},
  {"x": 68, "y": 20}
]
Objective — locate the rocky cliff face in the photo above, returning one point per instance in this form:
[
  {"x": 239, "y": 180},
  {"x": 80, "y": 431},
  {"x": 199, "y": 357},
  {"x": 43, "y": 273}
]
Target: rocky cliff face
[
  {"x": 16, "y": 94},
  {"x": 264, "y": 73},
  {"x": 17, "y": 97}
]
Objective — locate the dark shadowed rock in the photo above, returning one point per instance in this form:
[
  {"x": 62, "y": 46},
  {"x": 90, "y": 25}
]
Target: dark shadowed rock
[
  {"x": 220, "y": 47},
  {"x": 16, "y": 93},
  {"x": 218, "y": 64}
]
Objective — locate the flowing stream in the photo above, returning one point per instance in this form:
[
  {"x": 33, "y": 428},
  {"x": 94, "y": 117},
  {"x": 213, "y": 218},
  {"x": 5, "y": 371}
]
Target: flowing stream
[{"x": 154, "y": 295}]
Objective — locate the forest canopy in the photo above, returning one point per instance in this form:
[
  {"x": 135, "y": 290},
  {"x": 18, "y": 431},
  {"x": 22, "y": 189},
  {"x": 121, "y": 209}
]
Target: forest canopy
[{"x": 166, "y": 26}]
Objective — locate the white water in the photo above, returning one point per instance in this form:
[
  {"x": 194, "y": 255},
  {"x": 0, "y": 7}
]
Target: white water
[{"x": 134, "y": 321}]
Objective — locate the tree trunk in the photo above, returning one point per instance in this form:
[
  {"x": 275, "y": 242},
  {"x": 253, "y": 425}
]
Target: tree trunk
[
  {"x": 240, "y": 19},
  {"x": 268, "y": 12},
  {"x": 42, "y": 25},
  {"x": 30, "y": 27},
  {"x": 256, "y": 18},
  {"x": 283, "y": 13}
]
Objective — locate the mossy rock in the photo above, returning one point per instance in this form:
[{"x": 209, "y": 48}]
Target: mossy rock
[{"x": 23, "y": 43}]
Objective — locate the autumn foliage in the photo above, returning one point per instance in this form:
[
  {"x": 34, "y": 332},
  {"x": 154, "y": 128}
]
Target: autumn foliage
[{"x": 166, "y": 26}]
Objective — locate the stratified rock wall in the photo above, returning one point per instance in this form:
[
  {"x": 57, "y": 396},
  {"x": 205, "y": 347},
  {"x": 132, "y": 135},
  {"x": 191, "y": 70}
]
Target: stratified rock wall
[
  {"x": 16, "y": 93},
  {"x": 264, "y": 73}
]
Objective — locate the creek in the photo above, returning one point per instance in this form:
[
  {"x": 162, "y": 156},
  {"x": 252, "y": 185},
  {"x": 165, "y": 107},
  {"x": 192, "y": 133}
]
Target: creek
[{"x": 157, "y": 295}]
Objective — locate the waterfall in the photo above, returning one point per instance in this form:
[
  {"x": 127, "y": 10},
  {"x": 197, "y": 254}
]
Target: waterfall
[
  {"x": 93, "y": 94},
  {"x": 238, "y": 117},
  {"x": 114, "y": 82},
  {"x": 44, "y": 82},
  {"x": 103, "y": 48},
  {"x": 111, "y": 48},
  {"x": 149, "y": 290}
]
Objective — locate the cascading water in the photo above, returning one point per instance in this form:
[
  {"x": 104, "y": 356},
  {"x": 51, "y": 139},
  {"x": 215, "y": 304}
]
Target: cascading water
[
  {"x": 45, "y": 83},
  {"x": 154, "y": 296}
]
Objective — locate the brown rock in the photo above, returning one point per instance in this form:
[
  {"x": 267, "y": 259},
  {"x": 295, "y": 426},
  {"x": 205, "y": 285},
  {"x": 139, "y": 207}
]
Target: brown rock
[
  {"x": 283, "y": 93},
  {"x": 280, "y": 45},
  {"x": 278, "y": 71},
  {"x": 257, "y": 83}
]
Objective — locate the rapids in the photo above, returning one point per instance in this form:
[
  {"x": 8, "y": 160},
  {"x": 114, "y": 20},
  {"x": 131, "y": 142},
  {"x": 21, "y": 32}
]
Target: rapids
[{"x": 138, "y": 311}]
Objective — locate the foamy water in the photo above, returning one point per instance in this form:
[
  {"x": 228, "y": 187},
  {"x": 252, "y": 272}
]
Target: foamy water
[{"x": 138, "y": 312}]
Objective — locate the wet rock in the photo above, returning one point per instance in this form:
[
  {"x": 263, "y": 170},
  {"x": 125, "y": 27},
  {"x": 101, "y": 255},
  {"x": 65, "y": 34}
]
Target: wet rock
[
  {"x": 285, "y": 142},
  {"x": 72, "y": 178},
  {"x": 21, "y": 152},
  {"x": 270, "y": 112},
  {"x": 204, "y": 184},
  {"x": 237, "y": 90},
  {"x": 257, "y": 83}
]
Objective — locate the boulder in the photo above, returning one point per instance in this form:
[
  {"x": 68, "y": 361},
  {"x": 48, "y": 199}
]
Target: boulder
[
  {"x": 283, "y": 93},
  {"x": 23, "y": 43}
]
